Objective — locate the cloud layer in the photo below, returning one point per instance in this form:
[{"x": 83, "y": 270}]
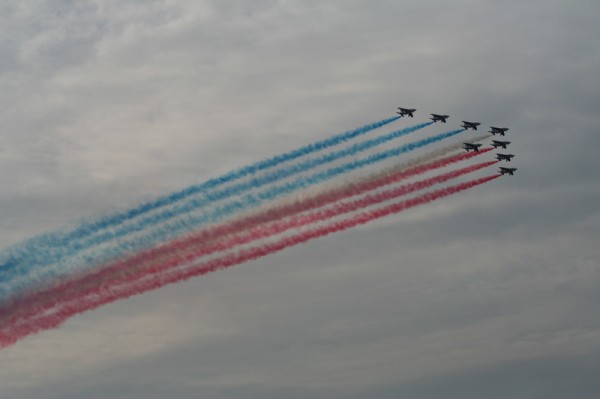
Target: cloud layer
[{"x": 107, "y": 103}]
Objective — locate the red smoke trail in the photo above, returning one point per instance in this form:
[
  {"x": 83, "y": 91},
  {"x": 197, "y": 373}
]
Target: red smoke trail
[
  {"x": 102, "y": 296},
  {"x": 7, "y": 340},
  {"x": 106, "y": 274},
  {"x": 185, "y": 250}
]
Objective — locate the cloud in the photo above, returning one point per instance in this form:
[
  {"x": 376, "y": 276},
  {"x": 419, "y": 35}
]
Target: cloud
[{"x": 104, "y": 104}]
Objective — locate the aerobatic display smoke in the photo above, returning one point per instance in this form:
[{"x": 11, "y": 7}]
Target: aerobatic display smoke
[
  {"x": 389, "y": 175},
  {"x": 30, "y": 250},
  {"x": 191, "y": 248},
  {"x": 48, "y": 271},
  {"x": 254, "y": 183},
  {"x": 73, "y": 249},
  {"x": 94, "y": 299},
  {"x": 215, "y": 225}
]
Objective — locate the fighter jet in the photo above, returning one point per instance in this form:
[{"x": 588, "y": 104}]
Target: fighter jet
[
  {"x": 504, "y": 157},
  {"x": 470, "y": 125},
  {"x": 502, "y": 144},
  {"x": 498, "y": 130},
  {"x": 510, "y": 171},
  {"x": 406, "y": 111},
  {"x": 471, "y": 146},
  {"x": 441, "y": 118}
]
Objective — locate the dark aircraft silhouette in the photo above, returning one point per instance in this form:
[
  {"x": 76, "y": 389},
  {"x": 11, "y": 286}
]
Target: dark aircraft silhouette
[
  {"x": 406, "y": 111},
  {"x": 471, "y": 146},
  {"x": 502, "y": 144},
  {"x": 498, "y": 130},
  {"x": 504, "y": 157},
  {"x": 470, "y": 125},
  {"x": 510, "y": 171},
  {"x": 441, "y": 118}
]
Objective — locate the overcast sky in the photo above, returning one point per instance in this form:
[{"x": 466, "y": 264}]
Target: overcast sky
[{"x": 493, "y": 293}]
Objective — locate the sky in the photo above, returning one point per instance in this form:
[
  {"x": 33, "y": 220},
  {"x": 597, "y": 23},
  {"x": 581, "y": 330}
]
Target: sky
[{"x": 491, "y": 293}]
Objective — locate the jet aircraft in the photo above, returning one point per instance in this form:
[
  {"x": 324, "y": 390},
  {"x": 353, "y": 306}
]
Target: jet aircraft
[
  {"x": 510, "y": 171},
  {"x": 504, "y": 157},
  {"x": 470, "y": 125},
  {"x": 441, "y": 118},
  {"x": 406, "y": 111},
  {"x": 498, "y": 130},
  {"x": 471, "y": 146},
  {"x": 502, "y": 144}
]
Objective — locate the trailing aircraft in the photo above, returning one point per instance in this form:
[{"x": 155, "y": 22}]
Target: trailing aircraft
[
  {"x": 441, "y": 118},
  {"x": 498, "y": 130},
  {"x": 406, "y": 111},
  {"x": 470, "y": 125},
  {"x": 504, "y": 157},
  {"x": 471, "y": 146},
  {"x": 510, "y": 171},
  {"x": 502, "y": 144}
]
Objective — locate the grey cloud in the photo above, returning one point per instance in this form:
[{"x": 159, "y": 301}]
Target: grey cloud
[{"x": 492, "y": 292}]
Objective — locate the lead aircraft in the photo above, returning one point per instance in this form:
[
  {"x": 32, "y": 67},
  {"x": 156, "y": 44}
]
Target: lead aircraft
[
  {"x": 440, "y": 118},
  {"x": 406, "y": 111}
]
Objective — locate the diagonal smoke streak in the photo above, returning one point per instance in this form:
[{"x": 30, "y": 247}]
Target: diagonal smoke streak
[
  {"x": 44, "y": 245},
  {"x": 256, "y": 233},
  {"x": 119, "y": 269},
  {"x": 191, "y": 244},
  {"x": 76, "y": 246},
  {"x": 390, "y": 175},
  {"x": 24, "y": 278},
  {"x": 9, "y": 336},
  {"x": 235, "y": 190}
]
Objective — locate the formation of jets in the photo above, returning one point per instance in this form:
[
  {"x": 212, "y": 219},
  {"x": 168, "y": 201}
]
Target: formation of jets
[{"x": 501, "y": 131}]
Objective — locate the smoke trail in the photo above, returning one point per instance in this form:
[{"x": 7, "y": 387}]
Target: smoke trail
[
  {"x": 28, "y": 279},
  {"x": 326, "y": 196},
  {"x": 52, "y": 320},
  {"x": 192, "y": 247},
  {"x": 255, "y": 182},
  {"x": 76, "y": 246},
  {"x": 394, "y": 173},
  {"x": 8, "y": 340},
  {"x": 23, "y": 252},
  {"x": 291, "y": 208},
  {"x": 103, "y": 295},
  {"x": 387, "y": 176}
]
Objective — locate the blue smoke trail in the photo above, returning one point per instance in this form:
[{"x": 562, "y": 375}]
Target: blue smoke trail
[
  {"x": 58, "y": 238},
  {"x": 174, "y": 229},
  {"x": 50, "y": 241},
  {"x": 75, "y": 247}
]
